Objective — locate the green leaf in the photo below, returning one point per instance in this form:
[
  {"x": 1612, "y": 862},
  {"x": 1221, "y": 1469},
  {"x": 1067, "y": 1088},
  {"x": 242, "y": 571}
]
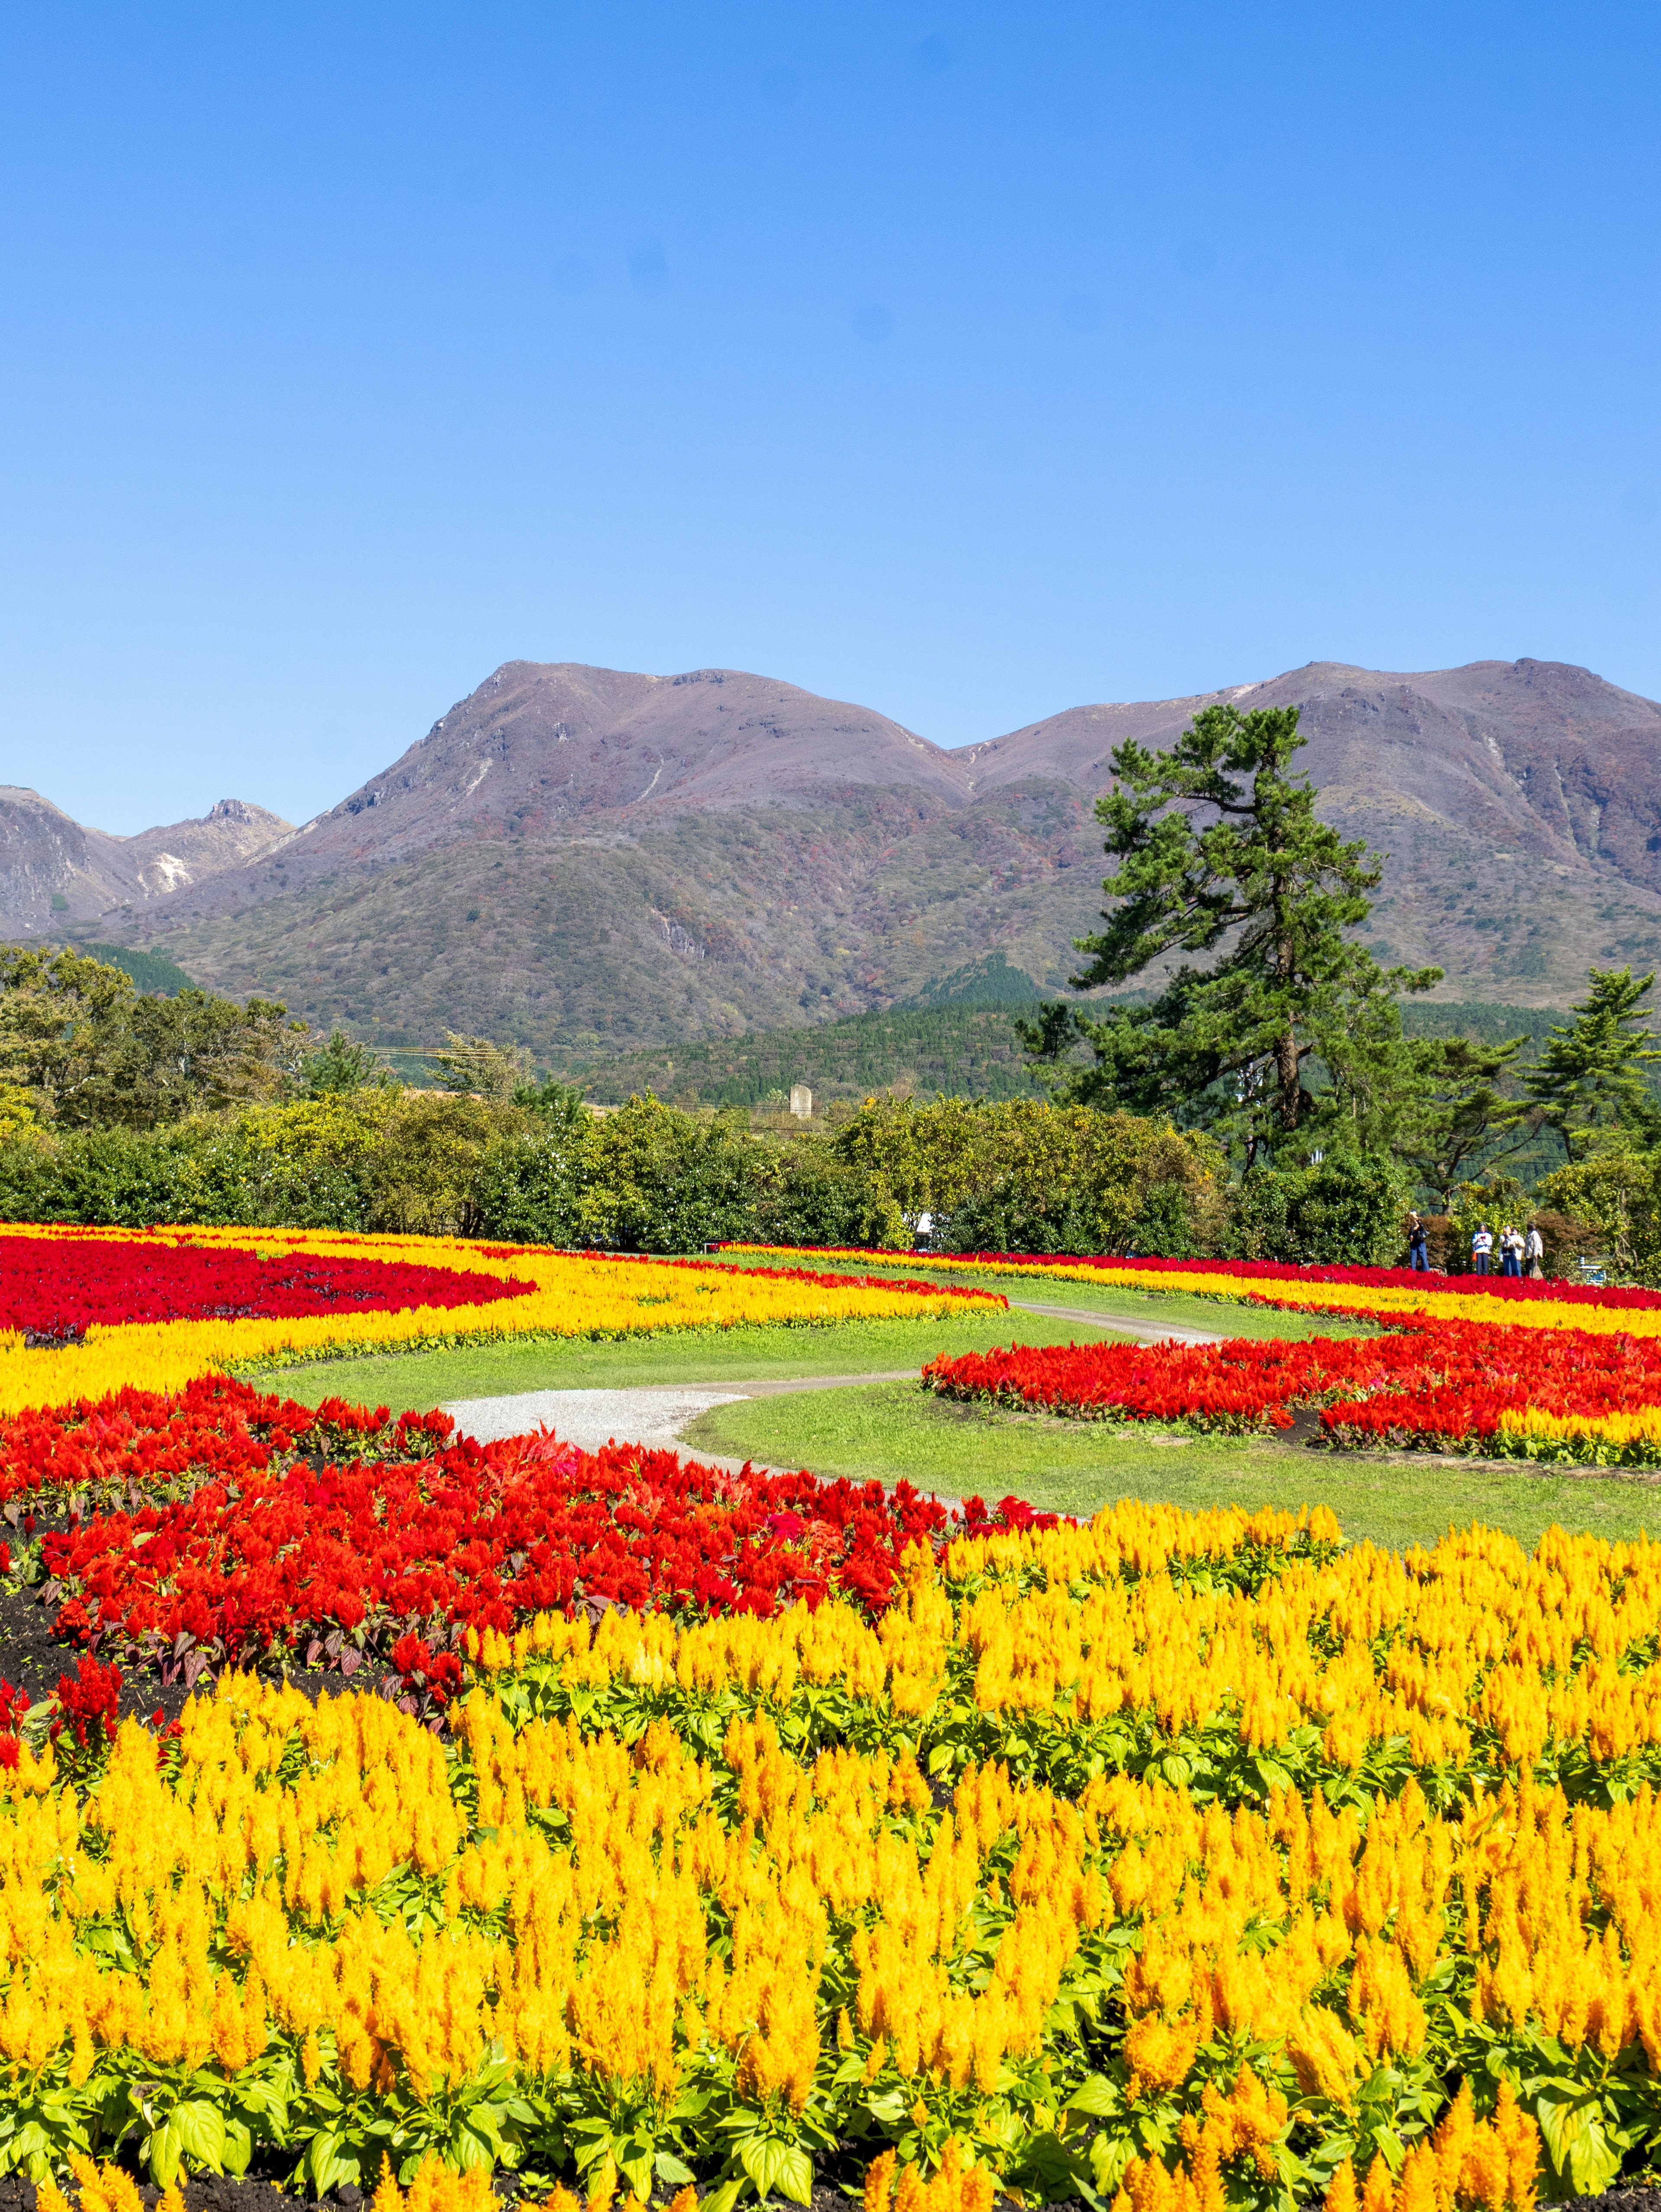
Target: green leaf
[
  {"x": 162, "y": 2152},
  {"x": 795, "y": 2173},
  {"x": 637, "y": 2171},
  {"x": 1580, "y": 2149},
  {"x": 239, "y": 2147},
  {"x": 201, "y": 2130},
  {"x": 329, "y": 2163},
  {"x": 724, "y": 2198},
  {"x": 669, "y": 2168},
  {"x": 1098, "y": 2097},
  {"x": 759, "y": 2159}
]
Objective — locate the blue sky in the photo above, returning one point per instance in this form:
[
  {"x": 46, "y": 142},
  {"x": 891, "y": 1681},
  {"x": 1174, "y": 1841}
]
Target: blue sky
[{"x": 966, "y": 362}]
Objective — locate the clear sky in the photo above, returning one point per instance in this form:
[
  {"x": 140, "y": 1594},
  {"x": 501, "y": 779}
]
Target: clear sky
[{"x": 968, "y": 362}]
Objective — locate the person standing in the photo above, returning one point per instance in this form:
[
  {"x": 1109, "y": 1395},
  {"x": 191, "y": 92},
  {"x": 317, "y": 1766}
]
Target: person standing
[
  {"x": 1511, "y": 1250},
  {"x": 1534, "y": 1251},
  {"x": 1418, "y": 1244},
  {"x": 1482, "y": 1246}
]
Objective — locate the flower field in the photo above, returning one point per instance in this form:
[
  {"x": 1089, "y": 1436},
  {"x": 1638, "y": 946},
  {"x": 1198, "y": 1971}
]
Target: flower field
[
  {"x": 201, "y": 1301},
  {"x": 1174, "y": 1862},
  {"x": 1377, "y": 1293},
  {"x": 221, "y": 1527},
  {"x": 1509, "y": 1368},
  {"x": 726, "y": 1833}
]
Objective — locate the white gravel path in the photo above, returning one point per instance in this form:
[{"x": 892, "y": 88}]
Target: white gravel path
[{"x": 589, "y": 1419}]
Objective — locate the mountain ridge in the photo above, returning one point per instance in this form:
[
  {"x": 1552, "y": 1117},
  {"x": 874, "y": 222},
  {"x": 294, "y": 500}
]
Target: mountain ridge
[{"x": 584, "y": 857}]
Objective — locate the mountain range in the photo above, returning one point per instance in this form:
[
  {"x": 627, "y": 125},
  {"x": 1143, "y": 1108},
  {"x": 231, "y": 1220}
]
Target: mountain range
[{"x": 589, "y": 860}]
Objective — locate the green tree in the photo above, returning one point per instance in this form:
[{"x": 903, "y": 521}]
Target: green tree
[
  {"x": 343, "y": 1066},
  {"x": 1025, "y": 1174},
  {"x": 63, "y": 1020},
  {"x": 1589, "y": 1082},
  {"x": 197, "y": 1053},
  {"x": 1618, "y": 1194},
  {"x": 1464, "y": 1111},
  {"x": 474, "y": 1065},
  {"x": 1219, "y": 851},
  {"x": 559, "y": 1104}
]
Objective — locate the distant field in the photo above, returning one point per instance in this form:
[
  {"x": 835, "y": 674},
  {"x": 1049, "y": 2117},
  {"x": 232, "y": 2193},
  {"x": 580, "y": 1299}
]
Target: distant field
[
  {"x": 1215, "y": 1315},
  {"x": 419, "y": 1379}
]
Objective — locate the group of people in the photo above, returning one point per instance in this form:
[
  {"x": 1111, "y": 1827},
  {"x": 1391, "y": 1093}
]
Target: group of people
[{"x": 1518, "y": 1254}]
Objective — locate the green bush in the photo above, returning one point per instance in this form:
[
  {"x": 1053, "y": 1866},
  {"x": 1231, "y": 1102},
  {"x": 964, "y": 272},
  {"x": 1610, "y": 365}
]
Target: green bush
[
  {"x": 814, "y": 1198},
  {"x": 1026, "y": 1176},
  {"x": 193, "y": 1172},
  {"x": 658, "y": 1179},
  {"x": 529, "y": 1187},
  {"x": 1345, "y": 1211}
]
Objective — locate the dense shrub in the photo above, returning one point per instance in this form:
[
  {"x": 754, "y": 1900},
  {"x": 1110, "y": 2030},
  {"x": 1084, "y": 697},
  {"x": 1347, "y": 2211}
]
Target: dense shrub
[
  {"x": 193, "y": 1172},
  {"x": 1345, "y": 1210},
  {"x": 1617, "y": 1198},
  {"x": 812, "y": 1197},
  {"x": 1025, "y": 1176}
]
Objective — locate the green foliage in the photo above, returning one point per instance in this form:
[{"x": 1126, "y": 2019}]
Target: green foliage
[
  {"x": 647, "y": 1178},
  {"x": 1346, "y": 1211},
  {"x": 473, "y": 1064},
  {"x": 151, "y": 972},
  {"x": 61, "y": 1018},
  {"x": 414, "y": 1158},
  {"x": 1618, "y": 1195},
  {"x": 92, "y": 1052},
  {"x": 198, "y": 1053},
  {"x": 1592, "y": 1082},
  {"x": 191, "y": 1172},
  {"x": 341, "y": 1064},
  {"x": 1030, "y": 1176},
  {"x": 992, "y": 980},
  {"x": 814, "y": 1197},
  {"x": 657, "y": 1180},
  {"x": 1219, "y": 851},
  {"x": 559, "y": 1104},
  {"x": 1464, "y": 1111},
  {"x": 529, "y": 1185}
]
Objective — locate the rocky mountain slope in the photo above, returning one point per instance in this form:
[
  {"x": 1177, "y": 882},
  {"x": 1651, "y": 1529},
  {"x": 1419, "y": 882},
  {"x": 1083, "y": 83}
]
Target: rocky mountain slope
[
  {"x": 589, "y": 859},
  {"x": 55, "y": 874}
]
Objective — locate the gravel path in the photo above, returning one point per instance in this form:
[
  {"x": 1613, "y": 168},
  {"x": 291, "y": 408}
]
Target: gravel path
[
  {"x": 1150, "y": 1331},
  {"x": 655, "y": 1413},
  {"x": 645, "y": 1413}
]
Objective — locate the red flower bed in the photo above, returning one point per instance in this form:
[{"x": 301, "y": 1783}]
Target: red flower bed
[
  {"x": 51, "y": 1287},
  {"x": 1275, "y": 1270},
  {"x": 1447, "y": 1379},
  {"x": 267, "y": 1552}
]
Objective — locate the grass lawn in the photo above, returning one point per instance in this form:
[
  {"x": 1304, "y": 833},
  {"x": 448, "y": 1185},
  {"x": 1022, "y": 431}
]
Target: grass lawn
[
  {"x": 893, "y": 1430},
  {"x": 1217, "y": 1316},
  {"x": 405, "y": 1379}
]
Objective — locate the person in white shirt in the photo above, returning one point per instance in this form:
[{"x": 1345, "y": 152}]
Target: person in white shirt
[
  {"x": 1534, "y": 1251},
  {"x": 1510, "y": 1251},
  {"x": 1482, "y": 1244}
]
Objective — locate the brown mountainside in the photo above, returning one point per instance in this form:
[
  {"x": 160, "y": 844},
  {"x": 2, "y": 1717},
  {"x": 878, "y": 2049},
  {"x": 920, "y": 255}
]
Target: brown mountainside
[
  {"x": 589, "y": 859},
  {"x": 50, "y": 867}
]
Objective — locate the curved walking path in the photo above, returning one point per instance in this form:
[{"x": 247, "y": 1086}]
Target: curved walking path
[{"x": 654, "y": 1413}]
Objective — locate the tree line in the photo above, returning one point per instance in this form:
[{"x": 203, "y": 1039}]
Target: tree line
[
  {"x": 1263, "y": 1101},
  {"x": 1283, "y": 1039}
]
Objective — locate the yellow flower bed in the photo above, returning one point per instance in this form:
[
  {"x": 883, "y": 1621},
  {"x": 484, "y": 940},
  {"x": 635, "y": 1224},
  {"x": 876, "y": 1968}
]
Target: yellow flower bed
[
  {"x": 1171, "y": 1862},
  {"x": 575, "y": 1295},
  {"x": 1382, "y": 1298}
]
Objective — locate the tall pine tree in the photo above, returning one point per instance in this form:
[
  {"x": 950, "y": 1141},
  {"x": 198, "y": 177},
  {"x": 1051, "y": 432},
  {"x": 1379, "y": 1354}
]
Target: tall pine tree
[
  {"x": 1219, "y": 851},
  {"x": 1590, "y": 1082}
]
